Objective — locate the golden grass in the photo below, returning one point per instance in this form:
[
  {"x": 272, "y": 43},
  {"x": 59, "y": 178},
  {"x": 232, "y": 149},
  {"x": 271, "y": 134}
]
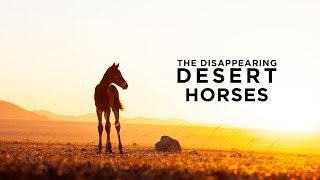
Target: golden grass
[{"x": 47, "y": 160}]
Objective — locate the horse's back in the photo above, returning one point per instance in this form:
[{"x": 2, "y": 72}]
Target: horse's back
[
  {"x": 105, "y": 98},
  {"x": 113, "y": 91}
]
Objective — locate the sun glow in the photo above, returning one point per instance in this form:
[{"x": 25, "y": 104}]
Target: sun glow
[{"x": 54, "y": 55}]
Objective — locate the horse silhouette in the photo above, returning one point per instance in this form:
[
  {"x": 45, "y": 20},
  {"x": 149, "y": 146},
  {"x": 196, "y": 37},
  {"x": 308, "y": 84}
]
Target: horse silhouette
[{"x": 106, "y": 98}]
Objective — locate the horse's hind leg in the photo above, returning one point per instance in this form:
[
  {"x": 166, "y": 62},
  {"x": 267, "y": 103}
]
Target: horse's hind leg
[
  {"x": 100, "y": 128},
  {"x": 117, "y": 125},
  {"x": 108, "y": 128}
]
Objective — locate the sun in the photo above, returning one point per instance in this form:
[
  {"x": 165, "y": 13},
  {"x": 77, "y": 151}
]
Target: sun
[{"x": 277, "y": 121}]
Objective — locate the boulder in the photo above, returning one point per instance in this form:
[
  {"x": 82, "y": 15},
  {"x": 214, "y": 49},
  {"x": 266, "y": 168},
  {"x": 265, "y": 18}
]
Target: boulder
[{"x": 167, "y": 144}]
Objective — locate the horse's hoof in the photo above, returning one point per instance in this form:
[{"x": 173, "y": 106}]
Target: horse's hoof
[
  {"x": 121, "y": 152},
  {"x": 99, "y": 151},
  {"x": 109, "y": 151}
]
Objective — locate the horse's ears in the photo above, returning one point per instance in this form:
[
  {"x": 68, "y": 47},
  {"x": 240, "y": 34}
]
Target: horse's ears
[{"x": 116, "y": 66}]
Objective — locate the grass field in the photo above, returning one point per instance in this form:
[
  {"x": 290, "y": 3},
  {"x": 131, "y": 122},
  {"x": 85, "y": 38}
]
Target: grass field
[
  {"x": 44, "y": 160},
  {"x": 57, "y": 149}
]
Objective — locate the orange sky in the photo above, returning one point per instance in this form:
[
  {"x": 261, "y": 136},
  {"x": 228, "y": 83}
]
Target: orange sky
[{"x": 54, "y": 53}]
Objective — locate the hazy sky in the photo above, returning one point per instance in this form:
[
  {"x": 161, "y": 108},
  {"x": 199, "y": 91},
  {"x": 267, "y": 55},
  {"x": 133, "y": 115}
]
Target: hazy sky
[{"x": 53, "y": 53}]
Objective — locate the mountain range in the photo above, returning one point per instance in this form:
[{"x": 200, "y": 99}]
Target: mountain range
[{"x": 10, "y": 111}]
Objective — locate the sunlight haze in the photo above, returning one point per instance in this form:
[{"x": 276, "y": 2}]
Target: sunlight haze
[{"x": 54, "y": 53}]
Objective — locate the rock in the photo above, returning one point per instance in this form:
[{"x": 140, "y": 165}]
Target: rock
[{"x": 167, "y": 144}]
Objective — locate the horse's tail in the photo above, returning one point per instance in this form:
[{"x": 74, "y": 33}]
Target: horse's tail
[
  {"x": 118, "y": 103},
  {"x": 114, "y": 95}
]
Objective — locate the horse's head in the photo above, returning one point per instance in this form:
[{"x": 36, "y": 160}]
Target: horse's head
[{"x": 116, "y": 76}]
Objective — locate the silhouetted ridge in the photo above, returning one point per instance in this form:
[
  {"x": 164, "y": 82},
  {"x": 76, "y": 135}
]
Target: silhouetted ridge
[{"x": 9, "y": 111}]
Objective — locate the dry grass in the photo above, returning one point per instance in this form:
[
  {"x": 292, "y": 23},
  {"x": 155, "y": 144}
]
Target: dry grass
[{"x": 45, "y": 160}]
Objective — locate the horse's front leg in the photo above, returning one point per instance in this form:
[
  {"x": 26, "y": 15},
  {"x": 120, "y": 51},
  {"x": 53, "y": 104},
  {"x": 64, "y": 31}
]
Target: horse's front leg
[
  {"x": 100, "y": 128},
  {"x": 108, "y": 129},
  {"x": 117, "y": 125}
]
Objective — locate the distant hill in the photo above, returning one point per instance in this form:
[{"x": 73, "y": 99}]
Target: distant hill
[
  {"x": 83, "y": 118},
  {"x": 93, "y": 118},
  {"x": 9, "y": 111}
]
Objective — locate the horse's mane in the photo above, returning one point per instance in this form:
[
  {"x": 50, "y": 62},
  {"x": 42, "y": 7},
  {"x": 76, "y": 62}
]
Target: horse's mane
[{"x": 106, "y": 75}]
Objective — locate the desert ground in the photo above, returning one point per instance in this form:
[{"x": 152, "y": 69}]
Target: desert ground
[
  {"x": 59, "y": 149},
  {"x": 48, "y": 160}
]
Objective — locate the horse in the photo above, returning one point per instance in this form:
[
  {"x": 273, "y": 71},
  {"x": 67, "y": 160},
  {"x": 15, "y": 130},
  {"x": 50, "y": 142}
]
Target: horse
[{"x": 106, "y": 97}]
